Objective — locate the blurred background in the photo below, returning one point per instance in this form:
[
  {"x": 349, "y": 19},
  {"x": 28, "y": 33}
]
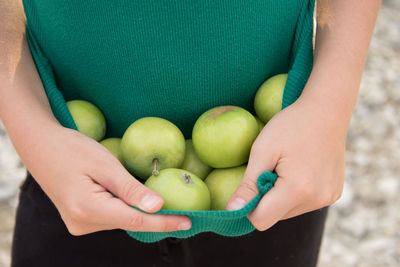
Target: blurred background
[{"x": 363, "y": 227}]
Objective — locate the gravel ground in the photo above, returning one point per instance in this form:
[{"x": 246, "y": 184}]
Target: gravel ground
[{"x": 363, "y": 227}]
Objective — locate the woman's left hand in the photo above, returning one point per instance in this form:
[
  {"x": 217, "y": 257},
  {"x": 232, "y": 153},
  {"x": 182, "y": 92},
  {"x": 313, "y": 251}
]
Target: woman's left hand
[{"x": 305, "y": 145}]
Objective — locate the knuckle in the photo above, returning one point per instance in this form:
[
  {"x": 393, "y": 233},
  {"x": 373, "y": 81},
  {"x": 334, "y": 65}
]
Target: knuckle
[
  {"x": 338, "y": 196},
  {"x": 305, "y": 191},
  {"x": 325, "y": 200},
  {"x": 260, "y": 225},
  {"x": 79, "y": 213},
  {"x": 74, "y": 229},
  {"x": 130, "y": 190},
  {"x": 333, "y": 198},
  {"x": 76, "y": 213},
  {"x": 261, "y": 228},
  {"x": 256, "y": 149},
  {"x": 135, "y": 222},
  {"x": 330, "y": 197},
  {"x": 168, "y": 226}
]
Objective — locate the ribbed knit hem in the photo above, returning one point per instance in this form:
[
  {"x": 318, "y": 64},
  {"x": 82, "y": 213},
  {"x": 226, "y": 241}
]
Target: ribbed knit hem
[
  {"x": 302, "y": 56},
  {"x": 56, "y": 99},
  {"x": 227, "y": 223}
]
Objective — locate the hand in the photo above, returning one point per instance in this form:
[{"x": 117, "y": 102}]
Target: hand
[
  {"x": 76, "y": 172},
  {"x": 305, "y": 145}
]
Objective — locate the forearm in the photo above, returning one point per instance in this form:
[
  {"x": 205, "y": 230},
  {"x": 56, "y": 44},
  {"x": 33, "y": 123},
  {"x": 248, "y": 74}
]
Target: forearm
[
  {"x": 24, "y": 108},
  {"x": 343, "y": 36}
]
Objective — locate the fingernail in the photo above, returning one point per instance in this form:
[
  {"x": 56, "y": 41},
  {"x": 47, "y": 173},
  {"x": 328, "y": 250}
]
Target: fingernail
[
  {"x": 185, "y": 225},
  {"x": 150, "y": 201},
  {"x": 236, "y": 204}
]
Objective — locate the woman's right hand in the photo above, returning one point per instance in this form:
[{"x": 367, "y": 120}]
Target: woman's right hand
[{"x": 76, "y": 172}]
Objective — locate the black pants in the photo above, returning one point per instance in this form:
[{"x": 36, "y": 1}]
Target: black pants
[{"x": 41, "y": 239}]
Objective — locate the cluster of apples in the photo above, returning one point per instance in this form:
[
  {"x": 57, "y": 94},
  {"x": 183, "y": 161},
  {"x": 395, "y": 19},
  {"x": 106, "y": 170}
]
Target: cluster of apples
[{"x": 201, "y": 173}]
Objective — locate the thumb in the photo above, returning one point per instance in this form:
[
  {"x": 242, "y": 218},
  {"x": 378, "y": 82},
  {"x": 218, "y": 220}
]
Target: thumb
[
  {"x": 121, "y": 183},
  {"x": 259, "y": 162}
]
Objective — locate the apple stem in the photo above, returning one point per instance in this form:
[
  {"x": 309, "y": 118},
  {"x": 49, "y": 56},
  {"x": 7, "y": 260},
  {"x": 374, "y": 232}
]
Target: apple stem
[
  {"x": 187, "y": 178},
  {"x": 155, "y": 167}
]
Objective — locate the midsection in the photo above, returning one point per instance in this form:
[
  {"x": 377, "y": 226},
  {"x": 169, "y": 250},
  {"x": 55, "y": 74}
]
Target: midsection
[{"x": 170, "y": 59}]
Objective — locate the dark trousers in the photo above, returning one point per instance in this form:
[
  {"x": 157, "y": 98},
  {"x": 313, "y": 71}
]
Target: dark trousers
[{"x": 41, "y": 239}]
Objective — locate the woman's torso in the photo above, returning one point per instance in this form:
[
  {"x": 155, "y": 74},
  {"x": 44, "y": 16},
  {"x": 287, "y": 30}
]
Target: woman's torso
[{"x": 171, "y": 59}]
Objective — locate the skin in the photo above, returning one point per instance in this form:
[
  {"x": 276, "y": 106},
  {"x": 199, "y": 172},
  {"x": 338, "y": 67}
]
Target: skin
[
  {"x": 77, "y": 183},
  {"x": 305, "y": 143}
]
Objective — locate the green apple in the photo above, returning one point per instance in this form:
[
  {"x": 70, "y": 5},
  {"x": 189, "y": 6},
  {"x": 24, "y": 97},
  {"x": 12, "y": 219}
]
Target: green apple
[
  {"x": 114, "y": 146},
  {"x": 222, "y": 183},
  {"x": 88, "y": 118},
  {"x": 260, "y": 124},
  {"x": 180, "y": 189},
  {"x": 268, "y": 99},
  {"x": 222, "y": 136},
  {"x": 193, "y": 163},
  {"x": 151, "y": 144}
]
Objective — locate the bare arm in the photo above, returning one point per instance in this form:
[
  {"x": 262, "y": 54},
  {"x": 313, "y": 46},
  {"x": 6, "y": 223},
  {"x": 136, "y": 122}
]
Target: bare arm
[
  {"x": 75, "y": 171},
  {"x": 344, "y": 32},
  {"x": 22, "y": 93}
]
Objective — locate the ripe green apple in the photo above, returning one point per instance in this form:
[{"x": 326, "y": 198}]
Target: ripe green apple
[
  {"x": 114, "y": 146},
  {"x": 260, "y": 124},
  {"x": 193, "y": 163},
  {"x": 222, "y": 136},
  {"x": 268, "y": 99},
  {"x": 180, "y": 189},
  {"x": 222, "y": 183},
  {"x": 151, "y": 144},
  {"x": 88, "y": 118}
]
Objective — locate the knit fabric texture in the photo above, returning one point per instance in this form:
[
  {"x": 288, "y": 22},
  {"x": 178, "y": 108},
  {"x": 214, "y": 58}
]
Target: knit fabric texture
[{"x": 170, "y": 59}]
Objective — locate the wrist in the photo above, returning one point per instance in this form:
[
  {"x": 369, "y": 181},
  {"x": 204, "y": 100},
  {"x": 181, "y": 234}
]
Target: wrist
[
  {"x": 324, "y": 115},
  {"x": 30, "y": 139},
  {"x": 332, "y": 99}
]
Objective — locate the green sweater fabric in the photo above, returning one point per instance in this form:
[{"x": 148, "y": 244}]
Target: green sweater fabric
[{"x": 170, "y": 59}]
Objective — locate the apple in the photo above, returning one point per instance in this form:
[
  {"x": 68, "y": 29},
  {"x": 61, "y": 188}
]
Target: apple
[
  {"x": 222, "y": 183},
  {"x": 260, "y": 124},
  {"x": 222, "y": 136},
  {"x": 88, "y": 118},
  {"x": 151, "y": 144},
  {"x": 193, "y": 163},
  {"x": 114, "y": 146},
  {"x": 268, "y": 99},
  {"x": 180, "y": 189}
]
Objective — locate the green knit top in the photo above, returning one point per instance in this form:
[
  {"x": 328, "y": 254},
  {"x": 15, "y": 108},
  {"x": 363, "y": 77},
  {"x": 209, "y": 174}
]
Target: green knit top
[{"x": 170, "y": 59}]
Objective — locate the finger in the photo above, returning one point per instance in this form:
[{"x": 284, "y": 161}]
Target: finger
[
  {"x": 117, "y": 214},
  {"x": 115, "y": 178},
  {"x": 259, "y": 162},
  {"x": 274, "y": 205}
]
